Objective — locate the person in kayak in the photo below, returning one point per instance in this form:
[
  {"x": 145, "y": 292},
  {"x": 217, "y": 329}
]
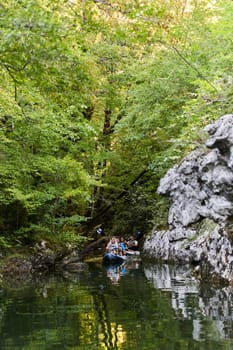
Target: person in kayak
[
  {"x": 132, "y": 243},
  {"x": 112, "y": 246},
  {"x": 122, "y": 246}
]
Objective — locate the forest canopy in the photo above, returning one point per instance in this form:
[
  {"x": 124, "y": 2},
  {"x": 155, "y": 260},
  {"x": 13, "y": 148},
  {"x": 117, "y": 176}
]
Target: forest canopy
[{"x": 98, "y": 99}]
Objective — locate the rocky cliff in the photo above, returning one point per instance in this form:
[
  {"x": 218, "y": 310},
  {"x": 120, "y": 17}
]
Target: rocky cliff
[{"x": 201, "y": 212}]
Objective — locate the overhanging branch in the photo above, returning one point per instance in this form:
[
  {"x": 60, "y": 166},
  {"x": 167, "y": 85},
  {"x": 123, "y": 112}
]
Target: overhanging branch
[
  {"x": 120, "y": 195},
  {"x": 189, "y": 64}
]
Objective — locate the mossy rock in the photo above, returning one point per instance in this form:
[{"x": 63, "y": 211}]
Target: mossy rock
[{"x": 206, "y": 225}]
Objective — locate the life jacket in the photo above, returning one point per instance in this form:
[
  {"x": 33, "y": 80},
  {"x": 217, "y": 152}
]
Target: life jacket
[
  {"x": 122, "y": 245},
  {"x": 112, "y": 246}
]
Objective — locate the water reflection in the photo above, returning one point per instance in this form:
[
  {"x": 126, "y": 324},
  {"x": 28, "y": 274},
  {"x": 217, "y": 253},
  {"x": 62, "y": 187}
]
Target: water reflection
[
  {"x": 148, "y": 307},
  {"x": 191, "y": 300},
  {"x": 116, "y": 271}
]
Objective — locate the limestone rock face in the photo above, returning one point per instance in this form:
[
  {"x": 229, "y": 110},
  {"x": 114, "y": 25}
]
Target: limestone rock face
[
  {"x": 200, "y": 190},
  {"x": 202, "y": 186}
]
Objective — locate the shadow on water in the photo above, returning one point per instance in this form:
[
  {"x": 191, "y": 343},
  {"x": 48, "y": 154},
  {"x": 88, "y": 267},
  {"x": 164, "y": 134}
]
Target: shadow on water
[{"x": 127, "y": 307}]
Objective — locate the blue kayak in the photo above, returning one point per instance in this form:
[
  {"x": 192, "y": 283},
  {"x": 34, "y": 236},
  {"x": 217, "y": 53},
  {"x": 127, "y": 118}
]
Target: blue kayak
[{"x": 111, "y": 258}]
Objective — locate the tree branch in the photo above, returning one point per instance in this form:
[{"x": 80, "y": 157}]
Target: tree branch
[
  {"x": 189, "y": 64},
  {"x": 16, "y": 69},
  {"x": 9, "y": 67},
  {"x": 120, "y": 195}
]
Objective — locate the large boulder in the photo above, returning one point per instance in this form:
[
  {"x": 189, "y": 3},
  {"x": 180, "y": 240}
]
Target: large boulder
[
  {"x": 202, "y": 185},
  {"x": 201, "y": 191}
]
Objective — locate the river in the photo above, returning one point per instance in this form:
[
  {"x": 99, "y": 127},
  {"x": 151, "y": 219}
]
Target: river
[{"x": 137, "y": 306}]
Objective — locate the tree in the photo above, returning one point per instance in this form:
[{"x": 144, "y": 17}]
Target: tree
[{"x": 97, "y": 100}]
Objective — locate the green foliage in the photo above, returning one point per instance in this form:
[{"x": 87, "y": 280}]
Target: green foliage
[
  {"x": 97, "y": 101},
  {"x": 175, "y": 92},
  {"x": 44, "y": 135},
  {"x": 74, "y": 241},
  {"x": 4, "y": 243}
]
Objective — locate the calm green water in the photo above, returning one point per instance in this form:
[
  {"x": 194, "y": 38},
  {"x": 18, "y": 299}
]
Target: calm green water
[{"x": 141, "y": 307}]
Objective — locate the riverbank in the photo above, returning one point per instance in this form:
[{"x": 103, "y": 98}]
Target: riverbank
[{"x": 23, "y": 264}]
